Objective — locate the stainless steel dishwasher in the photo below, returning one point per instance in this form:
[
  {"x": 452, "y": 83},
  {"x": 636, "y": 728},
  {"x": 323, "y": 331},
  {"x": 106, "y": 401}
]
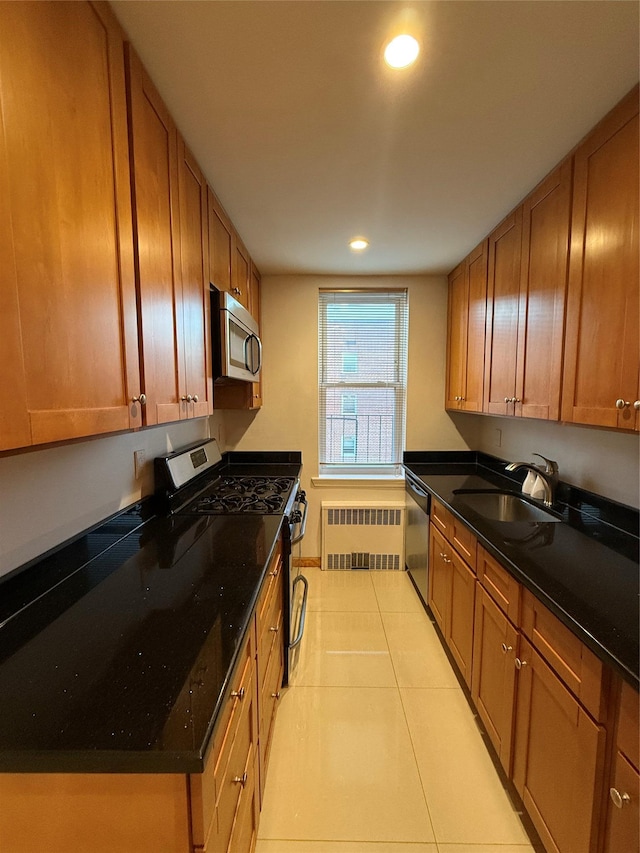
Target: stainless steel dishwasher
[{"x": 417, "y": 501}]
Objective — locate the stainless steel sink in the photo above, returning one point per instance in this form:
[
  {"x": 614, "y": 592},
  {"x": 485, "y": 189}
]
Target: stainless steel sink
[{"x": 503, "y": 506}]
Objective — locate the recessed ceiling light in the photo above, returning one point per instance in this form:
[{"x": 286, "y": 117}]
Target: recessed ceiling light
[
  {"x": 358, "y": 244},
  {"x": 401, "y": 51}
]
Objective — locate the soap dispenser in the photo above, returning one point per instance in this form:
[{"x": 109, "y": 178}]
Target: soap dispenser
[
  {"x": 529, "y": 483},
  {"x": 538, "y": 490}
]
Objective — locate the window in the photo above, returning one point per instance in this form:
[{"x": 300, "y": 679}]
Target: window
[
  {"x": 349, "y": 362},
  {"x": 349, "y": 404},
  {"x": 362, "y": 380}
]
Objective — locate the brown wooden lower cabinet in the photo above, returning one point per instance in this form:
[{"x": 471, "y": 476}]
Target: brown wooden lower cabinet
[
  {"x": 459, "y": 628},
  {"x": 623, "y": 822},
  {"x": 558, "y": 759},
  {"x": 452, "y": 599},
  {"x": 493, "y": 683},
  {"x": 216, "y": 811},
  {"x": 439, "y": 576}
]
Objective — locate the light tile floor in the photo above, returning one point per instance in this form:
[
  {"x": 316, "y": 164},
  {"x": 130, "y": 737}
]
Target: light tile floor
[{"x": 375, "y": 748}]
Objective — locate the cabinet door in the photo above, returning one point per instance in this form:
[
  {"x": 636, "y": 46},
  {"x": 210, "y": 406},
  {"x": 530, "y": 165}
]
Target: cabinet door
[
  {"x": 439, "y": 577},
  {"x": 154, "y": 142},
  {"x": 543, "y": 279},
  {"x": 220, "y": 245},
  {"x": 558, "y": 758},
  {"x": 466, "y": 331},
  {"x": 502, "y": 316},
  {"x": 601, "y": 345},
  {"x": 194, "y": 255},
  {"x": 495, "y": 647},
  {"x": 623, "y": 820},
  {"x": 457, "y": 335},
  {"x": 68, "y": 335},
  {"x": 459, "y": 625},
  {"x": 240, "y": 271}
]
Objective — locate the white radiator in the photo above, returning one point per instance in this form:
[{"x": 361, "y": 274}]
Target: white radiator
[{"x": 363, "y": 535}]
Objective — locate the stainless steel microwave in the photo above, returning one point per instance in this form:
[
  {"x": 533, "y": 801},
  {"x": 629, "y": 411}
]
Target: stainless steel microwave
[{"x": 236, "y": 345}]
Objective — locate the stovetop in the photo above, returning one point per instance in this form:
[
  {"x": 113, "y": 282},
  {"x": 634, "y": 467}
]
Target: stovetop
[{"x": 261, "y": 495}]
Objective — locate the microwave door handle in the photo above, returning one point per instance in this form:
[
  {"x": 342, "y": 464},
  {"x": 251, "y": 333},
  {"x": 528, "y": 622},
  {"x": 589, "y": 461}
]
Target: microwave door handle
[
  {"x": 247, "y": 351},
  {"x": 259, "y": 347}
]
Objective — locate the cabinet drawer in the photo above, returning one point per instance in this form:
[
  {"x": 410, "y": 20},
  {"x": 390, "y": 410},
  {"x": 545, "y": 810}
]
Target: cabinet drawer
[
  {"x": 202, "y": 785},
  {"x": 235, "y": 779},
  {"x": 440, "y": 517},
  {"x": 503, "y": 588},
  {"x": 568, "y": 656},
  {"x": 463, "y": 541},
  {"x": 271, "y": 638},
  {"x": 245, "y": 820},
  {"x": 269, "y": 696},
  {"x": 271, "y": 587},
  {"x": 628, "y": 724}
]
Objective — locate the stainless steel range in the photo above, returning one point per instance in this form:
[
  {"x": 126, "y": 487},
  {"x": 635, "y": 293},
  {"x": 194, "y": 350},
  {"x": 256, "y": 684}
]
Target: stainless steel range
[{"x": 193, "y": 481}]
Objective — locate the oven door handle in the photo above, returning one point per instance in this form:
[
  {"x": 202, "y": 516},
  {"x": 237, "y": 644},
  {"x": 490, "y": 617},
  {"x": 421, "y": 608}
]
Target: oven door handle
[
  {"x": 303, "y": 611},
  {"x": 303, "y": 522}
]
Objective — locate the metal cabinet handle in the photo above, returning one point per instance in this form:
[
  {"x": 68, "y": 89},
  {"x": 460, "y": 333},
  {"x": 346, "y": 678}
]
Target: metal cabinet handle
[
  {"x": 618, "y": 799},
  {"x": 195, "y": 398},
  {"x": 142, "y": 399},
  {"x": 520, "y": 663},
  {"x": 636, "y": 405},
  {"x": 238, "y": 694},
  {"x": 623, "y": 404},
  {"x": 241, "y": 780},
  {"x": 444, "y": 557},
  {"x": 506, "y": 648},
  {"x": 187, "y": 399},
  {"x": 274, "y": 573},
  {"x": 507, "y": 399},
  {"x": 275, "y": 695},
  {"x": 274, "y": 629},
  {"x": 237, "y": 291}
]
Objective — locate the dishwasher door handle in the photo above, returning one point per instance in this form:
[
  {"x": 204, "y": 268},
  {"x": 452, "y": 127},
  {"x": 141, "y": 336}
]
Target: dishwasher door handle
[{"x": 416, "y": 489}]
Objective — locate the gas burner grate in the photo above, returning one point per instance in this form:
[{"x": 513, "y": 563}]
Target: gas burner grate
[{"x": 258, "y": 495}]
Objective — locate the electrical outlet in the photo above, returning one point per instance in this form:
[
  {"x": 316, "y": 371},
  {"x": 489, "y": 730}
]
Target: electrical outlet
[
  {"x": 139, "y": 458},
  {"x": 498, "y": 438}
]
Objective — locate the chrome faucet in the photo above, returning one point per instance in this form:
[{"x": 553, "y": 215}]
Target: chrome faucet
[{"x": 549, "y": 475}]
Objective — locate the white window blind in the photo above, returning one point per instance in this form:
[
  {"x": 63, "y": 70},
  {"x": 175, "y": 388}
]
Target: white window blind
[{"x": 362, "y": 379}]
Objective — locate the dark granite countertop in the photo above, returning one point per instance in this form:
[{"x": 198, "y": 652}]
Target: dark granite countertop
[
  {"x": 585, "y": 570},
  {"x": 117, "y": 648}
]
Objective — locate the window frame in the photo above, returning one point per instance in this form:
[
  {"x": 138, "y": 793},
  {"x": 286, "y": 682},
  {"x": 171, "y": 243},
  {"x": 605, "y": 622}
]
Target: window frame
[{"x": 399, "y": 298}]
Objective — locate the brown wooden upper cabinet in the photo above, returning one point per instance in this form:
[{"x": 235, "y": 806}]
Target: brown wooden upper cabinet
[
  {"x": 600, "y": 385},
  {"x": 154, "y": 159},
  {"x": 505, "y": 244},
  {"x": 171, "y": 251},
  {"x": 241, "y": 272},
  {"x": 466, "y": 330},
  {"x": 68, "y": 336},
  {"x": 197, "y": 395},
  {"x": 525, "y": 306},
  {"x": 220, "y": 245},
  {"x": 229, "y": 261}
]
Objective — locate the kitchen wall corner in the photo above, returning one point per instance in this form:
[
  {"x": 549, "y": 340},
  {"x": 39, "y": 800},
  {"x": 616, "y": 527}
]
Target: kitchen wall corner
[{"x": 288, "y": 419}]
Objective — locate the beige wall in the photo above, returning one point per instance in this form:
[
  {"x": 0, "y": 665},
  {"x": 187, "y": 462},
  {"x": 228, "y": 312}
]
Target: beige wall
[
  {"x": 47, "y": 496},
  {"x": 289, "y": 417},
  {"x": 602, "y": 461}
]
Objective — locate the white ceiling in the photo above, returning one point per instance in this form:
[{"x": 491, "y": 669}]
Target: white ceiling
[{"x": 308, "y": 139}]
